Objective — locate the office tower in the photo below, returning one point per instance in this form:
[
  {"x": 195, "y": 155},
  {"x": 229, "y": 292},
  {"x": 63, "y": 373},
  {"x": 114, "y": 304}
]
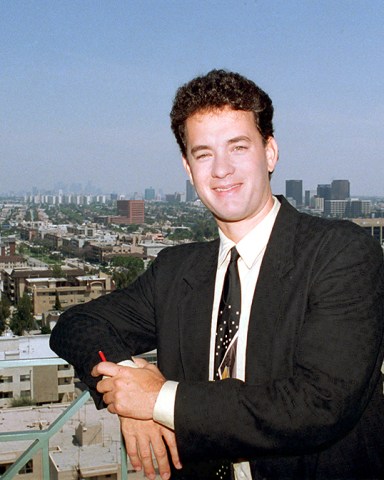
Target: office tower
[
  {"x": 190, "y": 192},
  {"x": 324, "y": 191},
  {"x": 294, "y": 190},
  {"x": 340, "y": 190},
  {"x": 173, "y": 197},
  {"x": 335, "y": 208},
  {"x": 132, "y": 210},
  {"x": 149, "y": 193},
  {"x": 309, "y": 198}
]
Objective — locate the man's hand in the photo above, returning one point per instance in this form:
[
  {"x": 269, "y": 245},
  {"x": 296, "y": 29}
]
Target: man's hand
[
  {"x": 129, "y": 392},
  {"x": 139, "y": 436}
]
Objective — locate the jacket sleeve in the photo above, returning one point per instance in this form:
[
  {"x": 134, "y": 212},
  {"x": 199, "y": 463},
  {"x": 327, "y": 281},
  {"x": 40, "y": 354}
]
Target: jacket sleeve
[
  {"x": 336, "y": 367},
  {"x": 121, "y": 324}
]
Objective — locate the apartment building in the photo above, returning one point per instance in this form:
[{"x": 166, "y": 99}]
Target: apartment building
[
  {"x": 14, "y": 280},
  {"x": 47, "y": 291},
  {"x": 48, "y": 383},
  {"x": 8, "y": 256}
]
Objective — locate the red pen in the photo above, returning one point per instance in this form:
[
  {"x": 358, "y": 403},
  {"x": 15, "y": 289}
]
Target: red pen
[
  {"x": 102, "y": 356},
  {"x": 125, "y": 363}
]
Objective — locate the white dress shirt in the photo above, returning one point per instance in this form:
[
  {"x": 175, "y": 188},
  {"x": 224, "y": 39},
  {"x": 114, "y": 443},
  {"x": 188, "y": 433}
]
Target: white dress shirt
[{"x": 251, "y": 249}]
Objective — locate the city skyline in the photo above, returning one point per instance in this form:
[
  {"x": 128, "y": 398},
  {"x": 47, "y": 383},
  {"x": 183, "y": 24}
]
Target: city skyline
[
  {"x": 87, "y": 87},
  {"x": 87, "y": 188}
]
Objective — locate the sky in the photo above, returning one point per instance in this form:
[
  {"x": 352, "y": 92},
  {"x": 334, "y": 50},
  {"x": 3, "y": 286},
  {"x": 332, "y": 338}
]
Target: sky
[{"x": 86, "y": 87}]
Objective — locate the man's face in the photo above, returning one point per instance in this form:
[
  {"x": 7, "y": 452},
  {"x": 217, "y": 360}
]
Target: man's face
[{"x": 229, "y": 164}]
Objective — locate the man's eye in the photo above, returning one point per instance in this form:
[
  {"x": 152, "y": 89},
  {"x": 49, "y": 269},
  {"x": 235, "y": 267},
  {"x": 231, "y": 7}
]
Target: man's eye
[
  {"x": 239, "y": 148},
  {"x": 201, "y": 156}
]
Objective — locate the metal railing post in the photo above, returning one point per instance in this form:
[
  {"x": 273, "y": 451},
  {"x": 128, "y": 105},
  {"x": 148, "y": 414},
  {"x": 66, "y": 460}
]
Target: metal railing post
[
  {"x": 40, "y": 440},
  {"x": 124, "y": 465}
]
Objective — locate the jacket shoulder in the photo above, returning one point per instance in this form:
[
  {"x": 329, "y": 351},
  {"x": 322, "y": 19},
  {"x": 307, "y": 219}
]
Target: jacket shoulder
[{"x": 187, "y": 251}]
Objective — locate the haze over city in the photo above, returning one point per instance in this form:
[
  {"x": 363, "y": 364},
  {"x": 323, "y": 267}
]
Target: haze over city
[{"x": 87, "y": 87}]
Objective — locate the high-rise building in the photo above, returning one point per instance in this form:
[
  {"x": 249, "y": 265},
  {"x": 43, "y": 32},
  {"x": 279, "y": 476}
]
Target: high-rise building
[
  {"x": 190, "y": 192},
  {"x": 340, "y": 190},
  {"x": 358, "y": 208},
  {"x": 335, "y": 208},
  {"x": 149, "y": 193},
  {"x": 324, "y": 191},
  {"x": 132, "y": 210},
  {"x": 294, "y": 190},
  {"x": 309, "y": 198},
  {"x": 173, "y": 197}
]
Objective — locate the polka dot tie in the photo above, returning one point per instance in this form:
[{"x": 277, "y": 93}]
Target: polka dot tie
[
  {"x": 228, "y": 320},
  {"x": 226, "y": 334},
  {"x": 223, "y": 473}
]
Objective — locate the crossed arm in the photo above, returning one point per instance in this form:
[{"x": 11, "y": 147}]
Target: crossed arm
[{"x": 131, "y": 393}]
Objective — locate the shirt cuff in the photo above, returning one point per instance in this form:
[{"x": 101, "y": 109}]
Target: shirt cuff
[
  {"x": 128, "y": 363},
  {"x": 164, "y": 411}
]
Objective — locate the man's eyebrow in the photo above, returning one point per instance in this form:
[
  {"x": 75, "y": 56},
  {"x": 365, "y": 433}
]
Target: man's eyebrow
[
  {"x": 240, "y": 138},
  {"x": 197, "y": 148}
]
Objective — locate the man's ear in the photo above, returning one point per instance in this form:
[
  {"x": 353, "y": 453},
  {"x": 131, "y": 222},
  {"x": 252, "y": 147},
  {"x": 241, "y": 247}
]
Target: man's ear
[
  {"x": 187, "y": 168},
  {"x": 272, "y": 153}
]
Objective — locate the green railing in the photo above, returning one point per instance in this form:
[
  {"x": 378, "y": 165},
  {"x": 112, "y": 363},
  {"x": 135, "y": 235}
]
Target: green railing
[{"x": 40, "y": 438}]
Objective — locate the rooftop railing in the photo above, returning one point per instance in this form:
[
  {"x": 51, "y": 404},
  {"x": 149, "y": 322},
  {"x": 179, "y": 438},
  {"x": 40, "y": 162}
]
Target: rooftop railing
[{"x": 40, "y": 438}]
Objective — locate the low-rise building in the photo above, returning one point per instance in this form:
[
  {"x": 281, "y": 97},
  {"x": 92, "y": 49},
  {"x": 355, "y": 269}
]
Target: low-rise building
[
  {"x": 15, "y": 279},
  {"x": 47, "y": 292},
  {"x": 48, "y": 383},
  {"x": 373, "y": 226}
]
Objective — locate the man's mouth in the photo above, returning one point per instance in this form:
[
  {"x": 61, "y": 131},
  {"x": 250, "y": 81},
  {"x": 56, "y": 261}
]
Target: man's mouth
[{"x": 227, "y": 188}]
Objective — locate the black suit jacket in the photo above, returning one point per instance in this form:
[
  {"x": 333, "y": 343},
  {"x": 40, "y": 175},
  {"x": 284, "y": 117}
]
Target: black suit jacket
[{"x": 312, "y": 402}]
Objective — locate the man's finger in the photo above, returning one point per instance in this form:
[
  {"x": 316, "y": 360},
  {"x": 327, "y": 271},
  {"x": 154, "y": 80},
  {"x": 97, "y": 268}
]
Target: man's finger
[
  {"x": 145, "y": 454},
  {"x": 140, "y": 362},
  {"x": 109, "y": 369},
  {"x": 161, "y": 455},
  {"x": 170, "y": 440},
  {"x": 132, "y": 452}
]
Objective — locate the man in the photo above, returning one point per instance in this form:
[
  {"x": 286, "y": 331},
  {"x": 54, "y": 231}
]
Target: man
[{"x": 305, "y": 397}]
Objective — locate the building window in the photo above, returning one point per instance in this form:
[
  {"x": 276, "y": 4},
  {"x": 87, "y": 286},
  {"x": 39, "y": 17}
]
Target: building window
[
  {"x": 28, "y": 468},
  {"x": 25, "y": 378},
  {"x": 376, "y": 233},
  {"x": 4, "y": 467},
  {"x": 65, "y": 381},
  {"x": 4, "y": 379},
  {"x": 5, "y": 394},
  {"x": 64, "y": 367}
]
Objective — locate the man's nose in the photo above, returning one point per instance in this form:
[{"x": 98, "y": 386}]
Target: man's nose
[{"x": 222, "y": 165}]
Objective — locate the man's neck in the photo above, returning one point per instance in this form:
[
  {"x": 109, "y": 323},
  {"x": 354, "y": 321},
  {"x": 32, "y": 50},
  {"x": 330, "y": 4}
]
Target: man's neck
[{"x": 237, "y": 230}]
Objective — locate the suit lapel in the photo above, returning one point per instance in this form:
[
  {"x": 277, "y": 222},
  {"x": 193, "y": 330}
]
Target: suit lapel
[
  {"x": 267, "y": 302},
  {"x": 197, "y": 292},
  {"x": 195, "y": 312}
]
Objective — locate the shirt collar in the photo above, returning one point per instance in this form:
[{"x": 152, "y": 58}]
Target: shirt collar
[{"x": 254, "y": 243}]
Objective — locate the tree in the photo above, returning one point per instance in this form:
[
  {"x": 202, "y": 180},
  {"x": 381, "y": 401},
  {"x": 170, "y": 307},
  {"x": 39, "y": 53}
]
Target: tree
[
  {"x": 4, "y": 313},
  {"x": 128, "y": 269},
  {"x": 57, "y": 302},
  {"x": 57, "y": 271},
  {"x": 181, "y": 234},
  {"x": 22, "y": 319}
]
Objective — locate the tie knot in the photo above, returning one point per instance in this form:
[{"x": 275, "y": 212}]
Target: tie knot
[{"x": 234, "y": 255}]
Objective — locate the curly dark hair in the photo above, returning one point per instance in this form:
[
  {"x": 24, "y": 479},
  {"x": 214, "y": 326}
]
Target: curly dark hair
[{"x": 215, "y": 90}]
